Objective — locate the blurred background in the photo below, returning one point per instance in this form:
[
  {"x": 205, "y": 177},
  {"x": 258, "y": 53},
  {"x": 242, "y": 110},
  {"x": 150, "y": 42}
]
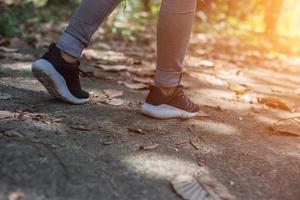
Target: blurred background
[{"x": 274, "y": 21}]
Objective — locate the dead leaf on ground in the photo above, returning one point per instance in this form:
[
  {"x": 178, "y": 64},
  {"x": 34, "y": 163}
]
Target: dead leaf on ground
[
  {"x": 189, "y": 188},
  {"x": 250, "y": 98},
  {"x": 17, "y": 56},
  {"x": 5, "y": 96},
  {"x": 290, "y": 125},
  {"x": 45, "y": 119},
  {"x": 195, "y": 142},
  {"x": 21, "y": 115},
  {"x": 114, "y": 101},
  {"x": 142, "y": 71},
  {"x": 151, "y": 147},
  {"x": 238, "y": 89},
  {"x": 144, "y": 80},
  {"x": 134, "y": 86},
  {"x": 81, "y": 128},
  {"x": 202, "y": 114},
  {"x": 8, "y": 50},
  {"x": 111, "y": 93},
  {"x": 206, "y": 63},
  {"x": 135, "y": 130},
  {"x": 12, "y": 133},
  {"x": 199, "y": 188},
  {"x": 16, "y": 196},
  {"x": 106, "y": 57},
  {"x": 6, "y": 114},
  {"x": 113, "y": 68},
  {"x": 273, "y": 102}
]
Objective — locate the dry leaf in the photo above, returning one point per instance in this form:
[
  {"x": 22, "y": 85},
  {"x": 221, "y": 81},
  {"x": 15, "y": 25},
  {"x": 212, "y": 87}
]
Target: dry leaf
[
  {"x": 135, "y": 130},
  {"x": 206, "y": 63},
  {"x": 16, "y": 196},
  {"x": 151, "y": 147},
  {"x": 113, "y": 93},
  {"x": 290, "y": 125},
  {"x": 195, "y": 142},
  {"x": 250, "y": 98},
  {"x": 5, "y": 97},
  {"x": 145, "y": 80},
  {"x": 200, "y": 188},
  {"x": 273, "y": 102},
  {"x": 113, "y": 68},
  {"x": 134, "y": 86},
  {"x": 189, "y": 188},
  {"x": 114, "y": 102},
  {"x": 202, "y": 114},
  {"x": 81, "y": 128},
  {"x": 238, "y": 89},
  {"x": 5, "y": 114},
  {"x": 8, "y": 50},
  {"x": 144, "y": 72}
]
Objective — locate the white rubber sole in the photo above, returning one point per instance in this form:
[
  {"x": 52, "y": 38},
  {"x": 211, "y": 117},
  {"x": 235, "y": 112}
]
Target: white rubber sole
[
  {"x": 165, "y": 112},
  {"x": 54, "y": 82}
]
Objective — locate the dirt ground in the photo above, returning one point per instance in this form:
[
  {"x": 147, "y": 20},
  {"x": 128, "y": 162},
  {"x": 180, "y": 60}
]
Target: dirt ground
[{"x": 52, "y": 150}]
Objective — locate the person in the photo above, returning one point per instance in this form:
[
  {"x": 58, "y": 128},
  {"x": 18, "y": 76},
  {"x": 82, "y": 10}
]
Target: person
[{"x": 58, "y": 69}]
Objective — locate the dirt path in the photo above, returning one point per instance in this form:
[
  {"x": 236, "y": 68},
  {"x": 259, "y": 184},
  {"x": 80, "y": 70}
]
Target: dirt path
[{"x": 51, "y": 150}]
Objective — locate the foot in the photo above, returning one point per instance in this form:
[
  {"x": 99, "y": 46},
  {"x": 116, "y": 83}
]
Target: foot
[
  {"x": 176, "y": 105},
  {"x": 60, "y": 78}
]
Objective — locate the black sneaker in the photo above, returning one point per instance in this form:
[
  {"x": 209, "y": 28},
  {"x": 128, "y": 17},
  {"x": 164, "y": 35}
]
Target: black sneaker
[
  {"x": 59, "y": 77},
  {"x": 176, "y": 105}
]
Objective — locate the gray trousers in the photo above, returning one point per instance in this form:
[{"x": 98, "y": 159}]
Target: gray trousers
[{"x": 173, "y": 32}]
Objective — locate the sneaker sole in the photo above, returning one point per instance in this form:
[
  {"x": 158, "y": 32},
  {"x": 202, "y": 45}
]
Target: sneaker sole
[
  {"x": 165, "y": 112},
  {"x": 54, "y": 82}
]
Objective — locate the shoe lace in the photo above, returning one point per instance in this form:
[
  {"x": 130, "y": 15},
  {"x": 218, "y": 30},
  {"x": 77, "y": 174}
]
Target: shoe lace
[{"x": 187, "y": 102}]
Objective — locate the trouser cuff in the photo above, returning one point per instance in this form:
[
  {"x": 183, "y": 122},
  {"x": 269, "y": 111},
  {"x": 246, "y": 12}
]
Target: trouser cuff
[
  {"x": 70, "y": 45},
  {"x": 167, "y": 79}
]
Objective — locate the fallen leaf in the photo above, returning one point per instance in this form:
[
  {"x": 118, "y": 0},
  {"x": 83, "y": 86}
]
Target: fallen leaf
[
  {"x": 200, "y": 188},
  {"x": 290, "y": 125},
  {"x": 151, "y": 147},
  {"x": 16, "y": 196},
  {"x": 5, "y": 97},
  {"x": 206, "y": 63},
  {"x": 81, "y": 128},
  {"x": 189, "y": 188},
  {"x": 273, "y": 102},
  {"x": 114, "y": 102},
  {"x": 143, "y": 72},
  {"x": 202, "y": 114},
  {"x": 5, "y": 114},
  {"x": 113, "y": 68},
  {"x": 100, "y": 75},
  {"x": 22, "y": 115},
  {"x": 134, "y": 86},
  {"x": 8, "y": 50},
  {"x": 195, "y": 142},
  {"x": 238, "y": 89},
  {"x": 145, "y": 80},
  {"x": 12, "y": 133},
  {"x": 135, "y": 130},
  {"x": 18, "y": 56},
  {"x": 113, "y": 93},
  {"x": 250, "y": 98}
]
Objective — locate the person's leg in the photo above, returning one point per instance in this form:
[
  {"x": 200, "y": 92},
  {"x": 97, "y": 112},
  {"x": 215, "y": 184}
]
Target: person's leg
[
  {"x": 58, "y": 69},
  {"x": 173, "y": 33},
  {"x": 83, "y": 25},
  {"x": 166, "y": 99}
]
